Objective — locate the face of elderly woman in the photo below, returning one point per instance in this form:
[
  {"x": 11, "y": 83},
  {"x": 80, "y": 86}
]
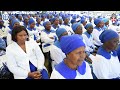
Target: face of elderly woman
[
  {"x": 112, "y": 44},
  {"x": 77, "y": 56}
]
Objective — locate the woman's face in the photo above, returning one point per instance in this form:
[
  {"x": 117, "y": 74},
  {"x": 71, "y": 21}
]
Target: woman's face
[
  {"x": 48, "y": 26},
  {"x": 56, "y": 22},
  {"x": 79, "y": 30},
  {"x": 112, "y": 44},
  {"x": 16, "y": 24},
  {"x": 32, "y": 25},
  {"x": 90, "y": 29},
  {"x": 21, "y": 36},
  {"x": 77, "y": 56}
]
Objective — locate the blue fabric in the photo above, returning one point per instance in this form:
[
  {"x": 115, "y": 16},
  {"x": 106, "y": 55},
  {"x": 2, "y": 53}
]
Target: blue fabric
[
  {"x": 107, "y": 35},
  {"x": 75, "y": 25},
  {"x": 31, "y": 21},
  {"x": 14, "y": 21},
  {"x": 54, "y": 26},
  {"x": 99, "y": 29},
  {"x": 87, "y": 34},
  {"x": 2, "y": 44},
  {"x": 60, "y": 31},
  {"x": 70, "y": 43},
  {"x": 38, "y": 25},
  {"x": 74, "y": 17},
  {"x": 88, "y": 25},
  {"x": 97, "y": 21},
  {"x": 57, "y": 43},
  {"x": 55, "y": 18},
  {"x": 19, "y": 16},
  {"x": 65, "y": 17},
  {"x": 44, "y": 24},
  {"x": 43, "y": 72},
  {"x": 69, "y": 73},
  {"x": 37, "y": 18},
  {"x": 105, "y": 20},
  {"x": 104, "y": 53},
  {"x": 46, "y": 45},
  {"x": 48, "y": 32},
  {"x": 82, "y": 20},
  {"x": 73, "y": 20}
]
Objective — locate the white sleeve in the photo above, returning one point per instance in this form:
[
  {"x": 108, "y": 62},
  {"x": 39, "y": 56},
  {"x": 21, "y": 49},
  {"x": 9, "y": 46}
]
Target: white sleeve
[
  {"x": 39, "y": 55},
  {"x": 86, "y": 43},
  {"x": 45, "y": 38},
  {"x": 56, "y": 55},
  {"x": 56, "y": 75},
  {"x": 96, "y": 37},
  {"x": 12, "y": 65},
  {"x": 9, "y": 39},
  {"x": 100, "y": 67}
]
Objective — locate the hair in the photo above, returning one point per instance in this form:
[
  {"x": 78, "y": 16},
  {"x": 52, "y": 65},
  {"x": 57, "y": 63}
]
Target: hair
[{"x": 16, "y": 30}]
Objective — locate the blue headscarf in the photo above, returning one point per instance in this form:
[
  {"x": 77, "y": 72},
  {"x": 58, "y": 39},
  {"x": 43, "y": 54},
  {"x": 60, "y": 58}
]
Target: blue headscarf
[
  {"x": 97, "y": 21},
  {"x": 31, "y": 21},
  {"x": 73, "y": 20},
  {"x": 75, "y": 25},
  {"x": 54, "y": 19},
  {"x": 70, "y": 43},
  {"x": 88, "y": 25},
  {"x": 105, "y": 20},
  {"x": 65, "y": 17},
  {"x": 14, "y": 21},
  {"x": 37, "y": 18},
  {"x": 44, "y": 24},
  {"x": 25, "y": 17},
  {"x": 106, "y": 35},
  {"x": 82, "y": 20},
  {"x": 2, "y": 44},
  {"x": 74, "y": 17},
  {"x": 60, "y": 31},
  {"x": 19, "y": 15}
]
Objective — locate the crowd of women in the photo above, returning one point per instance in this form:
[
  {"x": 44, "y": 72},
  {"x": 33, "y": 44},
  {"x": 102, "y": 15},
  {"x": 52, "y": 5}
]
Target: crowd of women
[{"x": 60, "y": 46}]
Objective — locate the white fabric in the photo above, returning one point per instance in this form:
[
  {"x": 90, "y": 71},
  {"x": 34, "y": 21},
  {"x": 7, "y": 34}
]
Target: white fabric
[
  {"x": 96, "y": 35},
  {"x": 84, "y": 30},
  {"x": 57, "y": 55},
  {"x": 56, "y": 75},
  {"x": 45, "y": 38},
  {"x": 3, "y": 32},
  {"x": 18, "y": 60},
  {"x": 68, "y": 28},
  {"x": 9, "y": 39},
  {"x": 89, "y": 42},
  {"x": 106, "y": 69},
  {"x": 32, "y": 33}
]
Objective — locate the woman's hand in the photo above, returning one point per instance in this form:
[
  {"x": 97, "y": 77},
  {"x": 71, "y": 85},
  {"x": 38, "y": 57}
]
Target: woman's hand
[{"x": 35, "y": 75}]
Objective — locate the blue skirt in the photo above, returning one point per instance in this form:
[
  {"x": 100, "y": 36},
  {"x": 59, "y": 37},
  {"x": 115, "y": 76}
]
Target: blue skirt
[{"x": 43, "y": 72}]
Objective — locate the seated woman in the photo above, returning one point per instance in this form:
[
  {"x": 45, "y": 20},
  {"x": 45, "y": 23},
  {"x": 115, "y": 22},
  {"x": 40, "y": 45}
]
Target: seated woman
[
  {"x": 55, "y": 51},
  {"x": 106, "y": 64},
  {"x": 88, "y": 37},
  {"x": 24, "y": 57},
  {"x": 73, "y": 66}
]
